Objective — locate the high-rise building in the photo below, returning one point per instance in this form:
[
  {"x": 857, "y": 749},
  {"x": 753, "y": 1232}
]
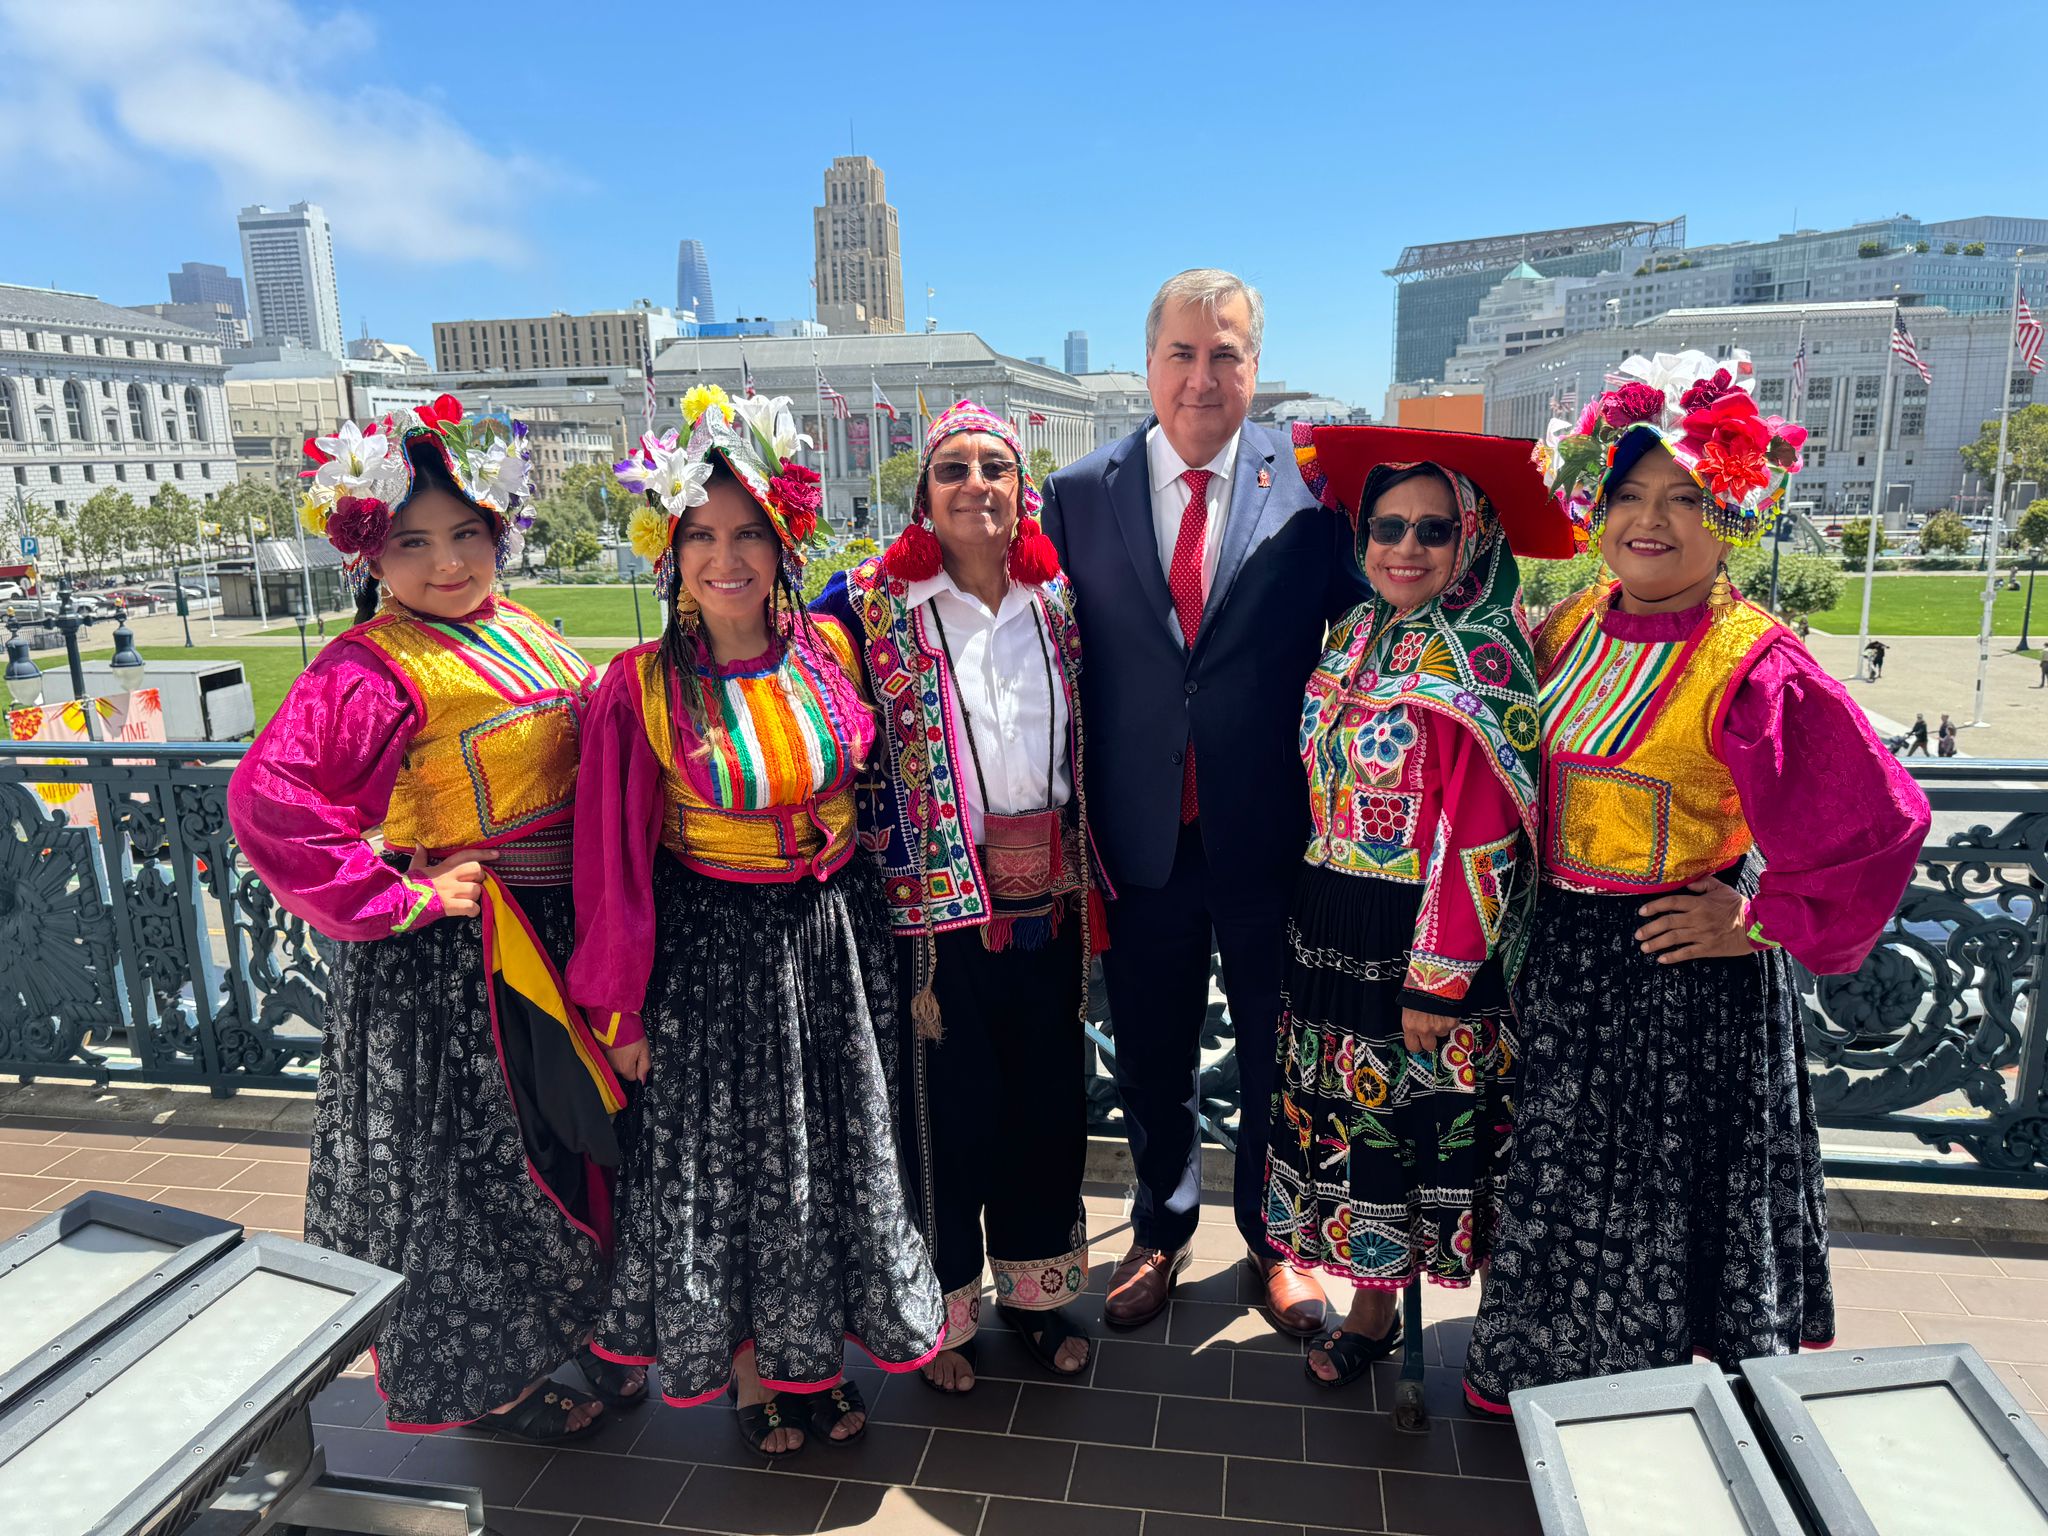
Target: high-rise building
[
  {"x": 859, "y": 259},
  {"x": 201, "y": 282},
  {"x": 693, "y": 282},
  {"x": 217, "y": 318},
  {"x": 1077, "y": 352},
  {"x": 288, "y": 258}
]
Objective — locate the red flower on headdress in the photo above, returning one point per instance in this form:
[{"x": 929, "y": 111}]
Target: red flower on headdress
[
  {"x": 796, "y": 492},
  {"x": 359, "y": 525},
  {"x": 1631, "y": 403},
  {"x": 1707, "y": 391},
  {"x": 1732, "y": 418},
  {"x": 445, "y": 411},
  {"x": 1734, "y": 467}
]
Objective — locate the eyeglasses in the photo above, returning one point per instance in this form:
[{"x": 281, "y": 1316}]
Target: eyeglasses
[
  {"x": 1430, "y": 532},
  {"x": 956, "y": 471}
]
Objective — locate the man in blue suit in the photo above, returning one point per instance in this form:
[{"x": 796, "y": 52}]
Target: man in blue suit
[{"x": 1204, "y": 573}]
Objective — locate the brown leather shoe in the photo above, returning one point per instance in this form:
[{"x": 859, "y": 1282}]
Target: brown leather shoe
[
  {"x": 1140, "y": 1285},
  {"x": 1294, "y": 1298}
]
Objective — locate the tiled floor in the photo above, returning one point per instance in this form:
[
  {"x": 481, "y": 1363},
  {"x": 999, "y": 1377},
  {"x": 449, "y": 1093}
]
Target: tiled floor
[{"x": 1200, "y": 1424}]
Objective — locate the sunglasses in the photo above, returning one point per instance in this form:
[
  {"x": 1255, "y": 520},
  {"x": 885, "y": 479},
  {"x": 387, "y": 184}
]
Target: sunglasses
[
  {"x": 956, "y": 471},
  {"x": 1430, "y": 532}
]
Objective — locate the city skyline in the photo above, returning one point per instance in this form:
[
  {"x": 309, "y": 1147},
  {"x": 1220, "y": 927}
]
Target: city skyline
[{"x": 441, "y": 206}]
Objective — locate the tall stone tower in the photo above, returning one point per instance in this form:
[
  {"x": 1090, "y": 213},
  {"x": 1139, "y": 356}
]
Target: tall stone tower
[{"x": 859, "y": 260}]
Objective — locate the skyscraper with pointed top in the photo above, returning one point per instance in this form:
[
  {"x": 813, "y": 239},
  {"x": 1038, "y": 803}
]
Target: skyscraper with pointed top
[{"x": 693, "y": 281}]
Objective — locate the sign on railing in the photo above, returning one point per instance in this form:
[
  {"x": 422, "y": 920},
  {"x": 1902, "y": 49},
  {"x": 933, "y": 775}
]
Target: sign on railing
[{"x": 141, "y": 950}]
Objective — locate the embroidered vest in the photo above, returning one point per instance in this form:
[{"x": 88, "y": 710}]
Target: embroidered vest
[
  {"x": 494, "y": 759},
  {"x": 1660, "y": 810},
  {"x": 811, "y": 834}
]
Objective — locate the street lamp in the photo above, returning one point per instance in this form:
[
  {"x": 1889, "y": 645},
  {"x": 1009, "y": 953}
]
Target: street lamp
[
  {"x": 131, "y": 673},
  {"x": 24, "y": 677}
]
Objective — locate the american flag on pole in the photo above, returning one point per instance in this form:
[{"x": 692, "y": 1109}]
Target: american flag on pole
[
  {"x": 880, "y": 401},
  {"x": 746, "y": 376},
  {"x": 1799, "y": 372},
  {"x": 1902, "y": 343},
  {"x": 2029, "y": 334},
  {"x": 835, "y": 399},
  {"x": 647, "y": 380}
]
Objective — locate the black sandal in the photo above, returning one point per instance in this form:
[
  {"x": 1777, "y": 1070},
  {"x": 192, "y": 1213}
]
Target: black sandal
[
  {"x": 1043, "y": 1333},
  {"x": 758, "y": 1421},
  {"x": 965, "y": 1352},
  {"x": 1352, "y": 1354},
  {"x": 543, "y": 1415},
  {"x": 608, "y": 1379},
  {"x": 833, "y": 1407}
]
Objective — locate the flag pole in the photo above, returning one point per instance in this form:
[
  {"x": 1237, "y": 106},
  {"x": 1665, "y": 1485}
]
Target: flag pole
[
  {"x": 1793, "y": 405},
  {"x": 1876, "y": 520},
  {"x": 1993, "y": 527}
]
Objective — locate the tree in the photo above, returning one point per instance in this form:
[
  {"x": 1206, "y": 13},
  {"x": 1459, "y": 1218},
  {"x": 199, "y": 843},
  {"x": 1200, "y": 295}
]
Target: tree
[
  {"x": 248, "y": 503},
  {"x": 2026, "y": 447},
  {"x": 899, "y": 480},
  {"x": 1546, "y": 583},
  {"x": 820, "y": 569},
  {"x": 1945, "y": 533},
  {"x": 169, "y": 522},
  {"x": 106, "y": 527},
  {"x": 1856, "y": 540},
  {"x": 1974, "y": 248},
  {"x": 2032, "y": 532},
  {"x": 1806, "y": 583},
  {"x": 566, "y": 528},
  {"x": 597, "y": 490},
  {"x": 1041, "y": 463}
]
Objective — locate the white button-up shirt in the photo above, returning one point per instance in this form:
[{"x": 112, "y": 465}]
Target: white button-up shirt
[
  {"x": 1170, "y": 499},
  {"x": 1001, "y": 679}
]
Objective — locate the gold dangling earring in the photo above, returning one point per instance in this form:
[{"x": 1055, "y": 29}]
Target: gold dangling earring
[{"x": 1721, "y": 596}]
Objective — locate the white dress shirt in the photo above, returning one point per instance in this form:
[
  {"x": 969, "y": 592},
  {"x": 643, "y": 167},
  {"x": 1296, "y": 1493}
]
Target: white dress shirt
[
  {"x": 1000, "y": 677},
  {"x": 1170, "y": 499}
]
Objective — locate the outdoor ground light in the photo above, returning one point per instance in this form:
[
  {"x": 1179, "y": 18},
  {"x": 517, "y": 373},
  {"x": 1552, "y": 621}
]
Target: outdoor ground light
[
  {"x": 1917, "y": 1441},
  {"x": 139, "y": 1431},
  {"x": 1652, "y": 1453},
  {"x": 78, "y": 1273}
]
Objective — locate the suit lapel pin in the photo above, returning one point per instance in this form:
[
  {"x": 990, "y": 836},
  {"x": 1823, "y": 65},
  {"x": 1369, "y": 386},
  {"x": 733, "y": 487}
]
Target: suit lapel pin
[{"x": 1265, "y": 479}]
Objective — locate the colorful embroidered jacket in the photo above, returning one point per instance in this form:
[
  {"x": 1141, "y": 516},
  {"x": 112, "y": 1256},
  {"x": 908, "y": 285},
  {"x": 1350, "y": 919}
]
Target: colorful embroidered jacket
[
  {"x": 1674, "y": 743},
  {"x": 769, "y": 801},
  {"x": 911, "y": 819},
  {"x": 1404, "y": 794},
  {"x": 450, "y": 734}
]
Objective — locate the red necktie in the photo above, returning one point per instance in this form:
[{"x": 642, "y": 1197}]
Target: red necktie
[{"x": 1184, "y": 581}]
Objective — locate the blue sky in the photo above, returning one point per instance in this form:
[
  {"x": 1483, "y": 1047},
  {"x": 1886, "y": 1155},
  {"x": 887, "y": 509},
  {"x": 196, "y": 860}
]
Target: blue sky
[{"x": 1050, "y": 164}]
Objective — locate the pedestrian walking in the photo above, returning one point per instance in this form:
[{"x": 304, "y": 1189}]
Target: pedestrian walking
[
  {"x": 1874, "y": 654},
  {"x": 1945, "y": 737},
  {"x": 1919, "y": 735}
]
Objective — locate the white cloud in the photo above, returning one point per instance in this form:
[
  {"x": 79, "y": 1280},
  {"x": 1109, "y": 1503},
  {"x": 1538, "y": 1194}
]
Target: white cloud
[{"x": 278, "y": 107}]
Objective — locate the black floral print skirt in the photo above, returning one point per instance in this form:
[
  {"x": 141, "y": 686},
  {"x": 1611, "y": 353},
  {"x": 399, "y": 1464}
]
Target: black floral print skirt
[
  {"x": 419, "y": 1165},
  {"x": 1382, "y": 1162},
  {"x": 1665, "y": 1197},
  {"x": 761, "y": 1202}
]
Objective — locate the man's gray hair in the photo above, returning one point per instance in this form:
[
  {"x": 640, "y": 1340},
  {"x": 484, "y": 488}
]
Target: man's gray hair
[{"x": 1210, "y": 287}]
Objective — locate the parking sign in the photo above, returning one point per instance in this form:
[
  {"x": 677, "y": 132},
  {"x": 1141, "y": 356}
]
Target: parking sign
[{"x": 29, "y": 548}]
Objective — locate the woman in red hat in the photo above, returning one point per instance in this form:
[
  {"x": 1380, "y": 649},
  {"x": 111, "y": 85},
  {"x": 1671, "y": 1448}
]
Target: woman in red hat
[{"x": 1419, "y": 736}]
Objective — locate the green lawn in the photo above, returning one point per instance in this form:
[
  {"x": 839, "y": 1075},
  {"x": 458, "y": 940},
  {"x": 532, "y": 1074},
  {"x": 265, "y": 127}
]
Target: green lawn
[
  {"x": 592, "y": 610},
  {"x": 1931, "y": 605},
  {"x": 270, "y": 669}
]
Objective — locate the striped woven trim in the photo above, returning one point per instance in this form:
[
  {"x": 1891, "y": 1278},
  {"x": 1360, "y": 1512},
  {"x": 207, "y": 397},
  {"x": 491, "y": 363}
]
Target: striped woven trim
[
  {"x": 1601, "y": 690},
  {"x": 423, "y": 896}
]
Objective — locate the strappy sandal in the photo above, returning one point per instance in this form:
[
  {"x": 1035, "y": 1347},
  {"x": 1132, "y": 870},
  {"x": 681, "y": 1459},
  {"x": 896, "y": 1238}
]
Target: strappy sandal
[
  {"x": 965, "y": 1352},
  {"x": 543, "y": 1415},
  {"x": 758, "y": 1421},
  {"x": 1352, "y": 1354},
  {"x": 610, "y": 1380},
  {"x": 1042, "y": 1335},
  {"x": 833, "y": 1407}
]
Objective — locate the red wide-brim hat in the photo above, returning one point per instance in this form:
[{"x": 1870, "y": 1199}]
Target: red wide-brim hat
[{"x": 1504, "y": 469}]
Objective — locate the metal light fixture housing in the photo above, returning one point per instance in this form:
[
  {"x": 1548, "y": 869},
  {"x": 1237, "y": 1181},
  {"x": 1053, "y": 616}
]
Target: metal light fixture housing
[
  {"x": 1920, "y": 1440},
  {"x": 1651, "y": 1453}
]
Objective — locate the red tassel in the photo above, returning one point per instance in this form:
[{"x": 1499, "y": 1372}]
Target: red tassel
[
  {"x": 1032, "y": 560},
  {"x": 915, "y": 555}
]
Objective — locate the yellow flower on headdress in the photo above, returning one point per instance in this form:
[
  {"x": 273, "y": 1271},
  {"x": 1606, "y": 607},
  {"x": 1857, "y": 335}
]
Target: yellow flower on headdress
[
  {"x": 313, "y": 516},
  {"x": 647, "y": 532},
  {"x": 703, "y": 398}
]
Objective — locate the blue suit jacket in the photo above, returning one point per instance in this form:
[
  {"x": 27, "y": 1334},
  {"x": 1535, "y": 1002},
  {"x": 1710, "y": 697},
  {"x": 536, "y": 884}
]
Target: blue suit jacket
[{"x": 1285, "y": 570}]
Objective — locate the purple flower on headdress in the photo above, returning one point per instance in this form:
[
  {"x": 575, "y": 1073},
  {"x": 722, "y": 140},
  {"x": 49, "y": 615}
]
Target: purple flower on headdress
[{"x": 1631, "y": 403}]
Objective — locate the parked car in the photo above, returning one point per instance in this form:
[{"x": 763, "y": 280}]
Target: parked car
[
  {"x": 9, "y": 591},
  {"x": 138, "y": 599}
]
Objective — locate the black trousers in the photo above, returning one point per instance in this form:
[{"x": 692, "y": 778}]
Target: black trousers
[
  {"x": 1003, "y": 1123},
  {"x": 1157, "y": 968}
]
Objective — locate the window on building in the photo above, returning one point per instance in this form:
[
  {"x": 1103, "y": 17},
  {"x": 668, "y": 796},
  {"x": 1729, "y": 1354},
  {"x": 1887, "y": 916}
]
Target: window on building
[
  {"x": 74, "y": 411},
  {"x": 138, "y": 414},
  {"x": 120, "y": 471},
  {"x": 1862, "y": 423},
  {"x": 206, "y": 471},
  {"x": 2021, "y": 390},
  {"x": 91, "y": 474},
  {"x": 1868, "y": 386},
  {"x": 46, "y": 423},
  {"x": 56, "y": 475},
  {"x": 8, "y": 432},
  {"x": 1820, "y": 389},
  {"x": 1913, "y": 422},
  {"x": 99, "y": 345},
  {"x": 64, "y": 341},
  {"x": 149, "y": 471},
  {"x": 1770, "y": 392},
  {"x": 21, "y": 474},
  {"x": 30, "y": 337},
  {"x": 170, "y": 427},
  {"x": 195, "y": 423},
  {"x": 59, "y": 508},
  {"x": 112, "y": 423},
  {"x": 178, "y": 470}
]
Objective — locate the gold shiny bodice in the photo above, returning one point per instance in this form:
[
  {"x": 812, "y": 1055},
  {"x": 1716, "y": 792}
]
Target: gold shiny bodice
[
  {"x": 494, "y": 758},
  {"x": 1662, "y": 810}
]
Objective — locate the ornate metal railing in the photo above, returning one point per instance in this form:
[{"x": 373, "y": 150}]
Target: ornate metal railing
[{"x": 135, "y": 947}]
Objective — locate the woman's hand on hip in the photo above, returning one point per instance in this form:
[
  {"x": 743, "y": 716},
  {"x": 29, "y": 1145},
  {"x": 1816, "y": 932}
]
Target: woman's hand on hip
[
  {"x": 1701, "y": 922},
  {"x": 1425, "y": 1031},
  {"x": 458, "y": 879}
]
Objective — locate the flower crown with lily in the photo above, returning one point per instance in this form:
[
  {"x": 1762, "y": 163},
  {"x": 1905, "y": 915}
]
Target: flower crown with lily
[
  {"x": 362, "y": 476},
  {"x": 1702, "y": 412},
  {"x": 757, "y": 439}
]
